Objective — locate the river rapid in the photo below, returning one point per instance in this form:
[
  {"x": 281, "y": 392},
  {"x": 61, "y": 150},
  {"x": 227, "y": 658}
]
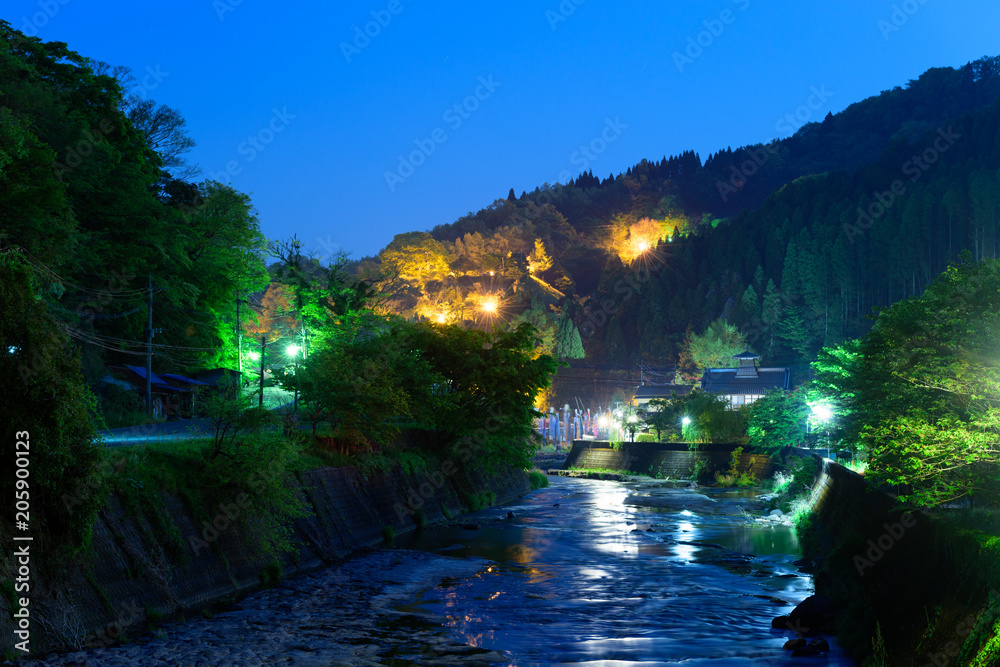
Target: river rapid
[
  {"x": 623, "y": 573},
  {"x": 584, "y": 572}
]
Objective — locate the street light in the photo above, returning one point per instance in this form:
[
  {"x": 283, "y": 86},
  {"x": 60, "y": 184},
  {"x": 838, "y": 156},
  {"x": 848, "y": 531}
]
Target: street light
[
  {"x": 686, "y": 421},
  {"x": 293, "y": 351},
  {"x": 823, "y": 413}
]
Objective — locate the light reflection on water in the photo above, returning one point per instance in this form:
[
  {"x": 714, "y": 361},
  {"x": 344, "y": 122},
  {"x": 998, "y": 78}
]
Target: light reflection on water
[{"x": 594, "y": 581}]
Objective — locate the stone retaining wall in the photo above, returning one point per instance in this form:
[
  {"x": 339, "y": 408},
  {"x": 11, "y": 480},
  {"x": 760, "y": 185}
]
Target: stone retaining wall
[
  {"x": 665, "y": 460},
  {"x": 132, "y": 571}
]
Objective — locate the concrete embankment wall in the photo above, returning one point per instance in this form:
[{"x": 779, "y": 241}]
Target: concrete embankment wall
[
  {"x": 917, "y": 579},
  {"x": 665, "y": 460},
  {"x": 134, "y": 571}
]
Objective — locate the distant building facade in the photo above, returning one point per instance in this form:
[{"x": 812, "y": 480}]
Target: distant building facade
[
  {"x": 746, "y": 383},
  {"x": 647, "y": 392}
]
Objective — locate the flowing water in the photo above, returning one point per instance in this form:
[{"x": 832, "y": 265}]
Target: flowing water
[{"x": 619, "y": 573}]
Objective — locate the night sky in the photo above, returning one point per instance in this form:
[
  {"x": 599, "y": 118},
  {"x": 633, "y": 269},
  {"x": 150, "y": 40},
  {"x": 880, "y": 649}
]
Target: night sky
[{"x": 291, "y": 105}]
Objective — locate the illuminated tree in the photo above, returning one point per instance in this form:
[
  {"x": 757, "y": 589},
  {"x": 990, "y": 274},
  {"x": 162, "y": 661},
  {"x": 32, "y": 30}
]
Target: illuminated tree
[
  {"x": 716, "y": 347},
  {"x": 416, "y": 257},
  {"x": 539, "y": 260},
  {"x": 924, "y": 390},
  {"x": 277, "y": 317}
]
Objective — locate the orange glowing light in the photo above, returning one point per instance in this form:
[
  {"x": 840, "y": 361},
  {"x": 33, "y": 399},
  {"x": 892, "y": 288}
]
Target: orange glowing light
[
  {"x": 441, "y": 318},
  {"x": 490, "y": 305}
]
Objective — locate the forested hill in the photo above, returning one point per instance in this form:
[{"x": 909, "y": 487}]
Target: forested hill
[{"x": 767, "y": 238}]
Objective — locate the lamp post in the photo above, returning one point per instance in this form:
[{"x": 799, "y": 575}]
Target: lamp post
[
  {"x": 822, "y": 413},
  {"x": 293, "y": 351}
]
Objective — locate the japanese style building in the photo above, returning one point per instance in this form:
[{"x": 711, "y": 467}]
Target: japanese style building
[{"x": 746, "y": 383}]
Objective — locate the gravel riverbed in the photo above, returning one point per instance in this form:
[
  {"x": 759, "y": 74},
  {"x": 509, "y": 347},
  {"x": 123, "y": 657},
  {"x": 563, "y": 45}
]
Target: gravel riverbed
[{"x": 342, "y": 615}]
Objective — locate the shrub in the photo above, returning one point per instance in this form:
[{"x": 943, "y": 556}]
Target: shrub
[{"x": 538, "y": 479}]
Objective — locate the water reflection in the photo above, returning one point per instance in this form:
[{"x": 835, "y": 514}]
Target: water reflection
[{"x": 595, "y": 581}]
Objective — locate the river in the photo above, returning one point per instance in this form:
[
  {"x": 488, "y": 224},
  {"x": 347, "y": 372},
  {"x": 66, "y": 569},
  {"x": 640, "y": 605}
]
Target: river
[
  {"x": 584, "y": 573},
  {"x": 621, "y": 573}
]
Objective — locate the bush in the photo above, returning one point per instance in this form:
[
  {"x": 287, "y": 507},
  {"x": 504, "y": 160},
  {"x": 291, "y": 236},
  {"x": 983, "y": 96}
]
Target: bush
[
  {"x": 538, "y": 479},
  {"x": 45, "y": 405},
  {"x": 646, "y": 437}
]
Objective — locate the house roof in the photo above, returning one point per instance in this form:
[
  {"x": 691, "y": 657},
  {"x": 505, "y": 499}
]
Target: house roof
[
  {"x": 153, "y": 377},
  {"x": 182, "y": 379},
  {"x": 648, "y": 391},
  {"x": 746, "y": 354},
  {"x": 726, "y": 381}
]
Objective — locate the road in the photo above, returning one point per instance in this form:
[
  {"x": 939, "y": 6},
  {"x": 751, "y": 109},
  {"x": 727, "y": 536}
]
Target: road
[{"x": 181, "y": 429}]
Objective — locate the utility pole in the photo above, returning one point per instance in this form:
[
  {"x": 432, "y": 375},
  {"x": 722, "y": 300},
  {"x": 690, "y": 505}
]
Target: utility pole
[
  {"x": 239, "y": 341},
  {"x": 263, "y": 351},
  {"x": 149, "y": 352}
]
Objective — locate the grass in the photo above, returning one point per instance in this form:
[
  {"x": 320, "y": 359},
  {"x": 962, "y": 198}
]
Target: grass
[
  {"x": 538, "y": 479},
  {"x": 604, "y": 470}
]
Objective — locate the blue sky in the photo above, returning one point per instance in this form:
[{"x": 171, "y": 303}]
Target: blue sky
[{"x": 292, "y": 105}]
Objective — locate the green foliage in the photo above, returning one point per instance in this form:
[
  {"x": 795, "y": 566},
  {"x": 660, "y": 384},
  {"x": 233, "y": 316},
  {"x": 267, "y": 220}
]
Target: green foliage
[
  {"x": 269, "y": 577},
  {"x": 646, "y": 437},
  {"x": 569, "y": 345},
  {"x": 538, "y": 479},
  {"x": 924, "y": 389},
  {"x": 481, "y": 500},
  {"x": 44, "y": 404},
  {"x": 234, "y": 419},
  {"x": 777, "y": 420},
  {"x": 795, "y": 487},
  {"x": 734, "y": 476},
  {"x": 389, "y": 535},
  {"x": 712, "y": 420},
  {"x": 492, "y": 375},
  {"x": 715, "y": 348}
]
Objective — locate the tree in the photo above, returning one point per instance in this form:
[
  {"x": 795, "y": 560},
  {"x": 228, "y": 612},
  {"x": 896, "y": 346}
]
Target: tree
[
  {"x": 367, "y": 386},
  {"x": 277, "y": 319},
  {"x": 777, "y": 420},
  {"x": 569, "y": 345},
  {"x": 926, "y": 389},
  {"x": 491, "y": 379},
  {"x": 716, "y": 347},
  {"x": 416, "y": 257},
  {"x": 539, "y": 260},
  {"x": 45, "y": 405}
]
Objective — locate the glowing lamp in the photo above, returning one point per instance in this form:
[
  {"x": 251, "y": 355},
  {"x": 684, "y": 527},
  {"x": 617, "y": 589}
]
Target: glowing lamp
[
  {"x": 822, "y": 412},
  {"x": 686, "y": 421},
  {"x": 292, "y": 350},
  {"x": 490, "y": 305},
  {"x": 254, "y": 356}
]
